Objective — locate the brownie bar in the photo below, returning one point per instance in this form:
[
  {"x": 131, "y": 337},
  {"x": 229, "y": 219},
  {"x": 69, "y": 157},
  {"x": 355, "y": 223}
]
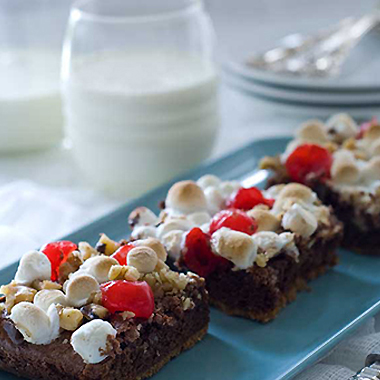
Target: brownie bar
[
  {"x": 261, "y": 292},
  {"x": 139, "y": 350}
]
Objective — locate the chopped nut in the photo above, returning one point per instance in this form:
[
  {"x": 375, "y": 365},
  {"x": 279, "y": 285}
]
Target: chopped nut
[
  {"x": 86, "y": 250},
  {"x": 116, "y": 272},
  {"x": 270, "y": 163},
  {"x": 70, "y": 319},
  {"x": 71, "y": 265},
  {"x": 188, "y": 304},
  {"x": 127, "y": 315},
  {"x": 261, "y": 260},
  {"x": 16, "y": 293},
  {"x": 46, "y": 285},
  {"x": 94, "y": 311},
  {"x": 97, "y": 298},
  {"x": 331, "y": 147},
  {"x": 110, "y": 245},
  {"x": 131, "y": 273},
  {"x": 2, "y": 307},
  {"x": 349, "y": 144}
]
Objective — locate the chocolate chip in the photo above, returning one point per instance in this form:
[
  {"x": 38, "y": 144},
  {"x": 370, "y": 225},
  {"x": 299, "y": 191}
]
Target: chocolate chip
[
  {"x": 94, "y": 311},
  {"x": 101, "y": 247}
]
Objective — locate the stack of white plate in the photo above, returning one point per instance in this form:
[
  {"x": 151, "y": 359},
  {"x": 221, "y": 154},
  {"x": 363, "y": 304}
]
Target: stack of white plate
[{"x": 356, "y": 90}]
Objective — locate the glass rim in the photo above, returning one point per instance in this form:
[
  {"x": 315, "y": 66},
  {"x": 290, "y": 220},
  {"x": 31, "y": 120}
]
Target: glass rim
[{"x": 158, "y": 16}]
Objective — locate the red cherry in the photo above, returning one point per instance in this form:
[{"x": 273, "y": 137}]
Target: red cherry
[
  {"x": 246, "y": 199},
  {"x": 121, "y": 295},
  {"x": 235, "y": 220},
  {"x": 198, "y": 256},
  {"x": 58, "y": 253},
  {"x": 365, "y": 126},
  {"x": 121, "y": 254},
  {"x": 309, "y": 159}
]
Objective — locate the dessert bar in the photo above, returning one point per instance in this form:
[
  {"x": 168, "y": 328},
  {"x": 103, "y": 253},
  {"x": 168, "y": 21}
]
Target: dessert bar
[
  {"x": 255, "y": 249},
  {"x": 110, "y": 312},
  {"x": 340, "y": 161}
]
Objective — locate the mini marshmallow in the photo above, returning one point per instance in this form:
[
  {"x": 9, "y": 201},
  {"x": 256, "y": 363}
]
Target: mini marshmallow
[
  {"x": 228, "y": 188},
  {"x": 265, "y": 220},
  {"x": 273, "y": 191},
  {"x": 33, "y": 266},
  {"x": 235, "y": 246},
  {"x": 300, "y": 221},
  {"x": 172, "y": 225},
  {"x": 143, "y": 232},
  {"x": 44, "y": 298},
  {"x": 90, "y": 341},
  {"x": 342, "y": 126},
  {"x": 208, "y": 180},
  {"x": 199, "y": 218},
  {"x": 155, "y": 244},
  {"x": 144, "y": 259},
  {"x": 312, "y": 131},
  {"x": 272, "y": 243},
  {"x": 371, "y": 170},
  {"x": 36, "y": 326},
  {"x": 215, "y": 200},
  {"x": 297, "y": 191},
  {"x": 173, "y": 242},
  {"x": 98, "y": 267},
  {"x": 80, "y": 289},
  {"x": 344, "y": 168},
  {"x": 142, "y": 216},
  {"x": 185, "y": 197}
]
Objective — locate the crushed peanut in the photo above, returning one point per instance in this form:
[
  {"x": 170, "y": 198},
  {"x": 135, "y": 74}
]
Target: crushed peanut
[
  {"x": 94, "y": 311},
  {"x": 187, "y": 303},
  {"x": 46, "y": 285},
  {"x": 87, "y": 251},
  {"x": 110, "y": 246},
  {"x": 16, "y": 293},
  {"x": 123, "y": 272},
  {"x": 70, "y": 319},
  {"x": 71, "y": 265},
  {"x": 127, "y": 315}
]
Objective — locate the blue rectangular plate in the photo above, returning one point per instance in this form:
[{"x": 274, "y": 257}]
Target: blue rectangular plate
[{"x": 236, "y": 348}]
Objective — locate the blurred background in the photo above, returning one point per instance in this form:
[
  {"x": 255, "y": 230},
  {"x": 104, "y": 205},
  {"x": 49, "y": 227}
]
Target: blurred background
[{"x": 44, "y": 193}]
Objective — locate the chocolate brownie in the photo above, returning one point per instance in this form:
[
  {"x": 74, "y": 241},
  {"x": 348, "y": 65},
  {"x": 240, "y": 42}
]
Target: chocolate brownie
[
  {"x": 255, "y": 249},
  {"x": 134, "y": 345}
]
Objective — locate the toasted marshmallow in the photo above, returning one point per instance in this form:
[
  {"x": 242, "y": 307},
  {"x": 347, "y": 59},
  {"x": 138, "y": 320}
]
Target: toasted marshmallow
[
  {"x": 143, "y": 232},
  {"x": 228, "y": 188},
  {"x": 199, "y": 218},
  {"x": 215, "y": 200},
  {"x": 155, "y": 244},
  {"x": 344, "y": 168},
  {"x": 235, "y": 246},
  {"x": 44, "y": 298},
  {"x": 80, "y": 289},
  {"x": 297, "y": 191},
  {"x": 265, "y": 220},
  {"x": 185, "y": 197},
  {"x": 173, "y": 242},
  {"x": 36, "y": 326},
  {"x": 300, "y": 221},
  {"x": 342, "y": 126},
  {"x": 90, "y": 341},
  {"x": 142, "y": 216},
  {"x": 144, "y": 259},
  {"x": 371, "y": 170},
  {"x": 33, "y": 266},
  {"x": 172, "y": 225},
  {"x": 273, "y": 191},
  {"x": 272, "y": 244},
  {"x": 312, "y": 131},
  {"x": 208, "y": 180},
  {"x": 98, "y": 267}
]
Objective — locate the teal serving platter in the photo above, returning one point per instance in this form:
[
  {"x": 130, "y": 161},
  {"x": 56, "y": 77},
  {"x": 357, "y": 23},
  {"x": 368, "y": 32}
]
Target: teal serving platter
[{"x": 236, "y": 348}]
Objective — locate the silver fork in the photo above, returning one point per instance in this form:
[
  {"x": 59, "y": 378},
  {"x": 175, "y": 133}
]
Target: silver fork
[
  {"x": 371, "y": 371},
  {"x": 320, "y": 55}
]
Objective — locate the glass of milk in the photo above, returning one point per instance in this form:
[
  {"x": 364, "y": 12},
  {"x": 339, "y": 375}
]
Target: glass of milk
[
  {"x": 140, "y": 90},
  {"x": 31, "y": 35}
]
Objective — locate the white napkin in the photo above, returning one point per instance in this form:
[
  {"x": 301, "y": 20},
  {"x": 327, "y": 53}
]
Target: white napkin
[{"x": 31, "y": 215}]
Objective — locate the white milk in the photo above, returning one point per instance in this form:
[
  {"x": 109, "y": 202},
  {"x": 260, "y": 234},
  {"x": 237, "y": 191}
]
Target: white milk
[
  {"x": 137, "y": 119},
  {"x": 30, "y": 103}
]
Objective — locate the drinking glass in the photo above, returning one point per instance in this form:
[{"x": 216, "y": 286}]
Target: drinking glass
[
  {"x": 31, "y": 35},
  {"x": 140, "y": 90}
]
